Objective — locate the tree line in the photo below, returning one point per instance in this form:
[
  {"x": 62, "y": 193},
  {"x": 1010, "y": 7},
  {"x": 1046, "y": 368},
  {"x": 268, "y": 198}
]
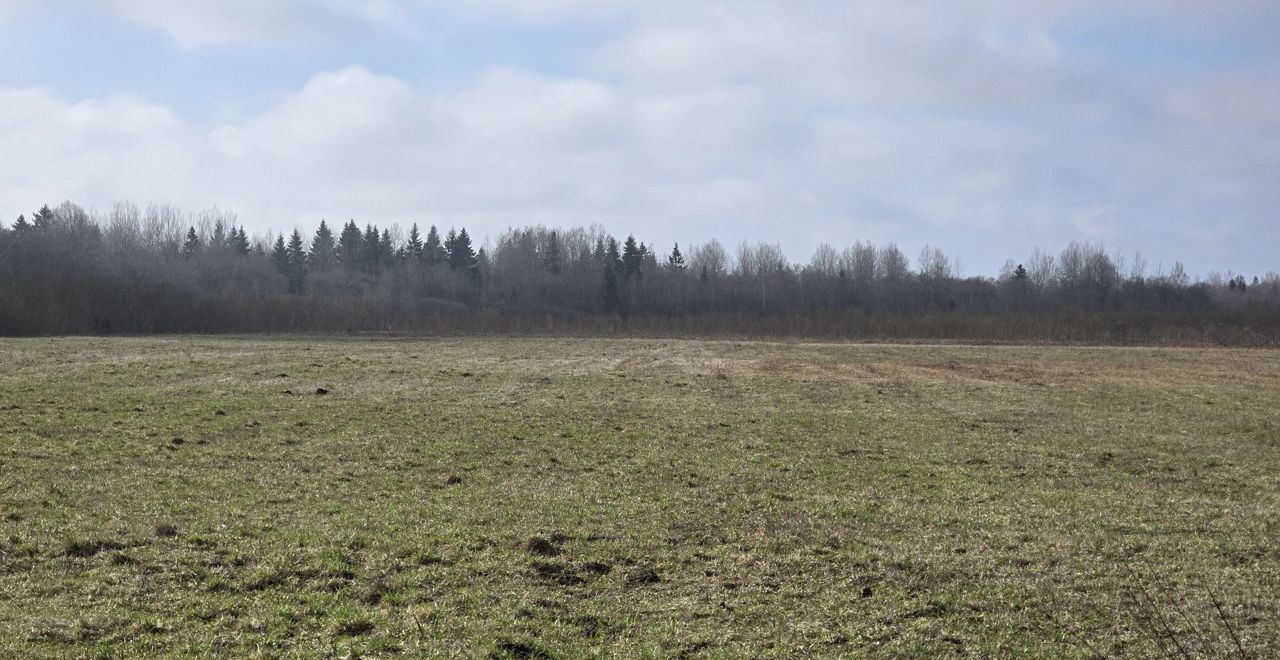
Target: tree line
[{"x": 66, "y": 270}]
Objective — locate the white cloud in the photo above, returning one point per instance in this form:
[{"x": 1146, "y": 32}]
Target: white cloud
[
  {"x": 202, "y": 23},
  {"x": 975, "y": 126},
  {"x": 92, "y": 149},
  {"x": 340, "y": 112}
]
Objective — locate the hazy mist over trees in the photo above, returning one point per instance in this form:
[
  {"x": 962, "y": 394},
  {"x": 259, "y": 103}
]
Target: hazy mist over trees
[{"x": 159, "y": 270}]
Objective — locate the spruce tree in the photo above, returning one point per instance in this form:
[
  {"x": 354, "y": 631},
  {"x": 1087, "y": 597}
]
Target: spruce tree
[
  {"x": 240, "y": 241},
  {"x": 676, "y": 260},
  {"x": 386, "y": 249},
  {"x": 632, "y": 258},
  {"x": 191, "y": 246},
  {"x": 323, "y": 251},
  {"x": 433, "y": 251},
  {"x": 1020, "y": 273},
  {"x": 350, "y": 244},
  {"x": 297, "y": 252},
  {"x": 598, "y": 254},
  {"x": 218, "y": 240},
  {"x": 648, "y": 259},
  {"x": 482, "y": 262},
  {"x": 461, "y": 255},
  {"x": 612, "y": 275},
  {"x": 551, "y": 254},
  {"x": 371, "y": 251},
  {"x": 43, "y": 218},
  {"x": 413, "y": 249},
  {"x": 280, "y": 255},
  {"x": 449, "y": 239},
  {"x": 21, "y": 225},
  {"x": 612, "y": 258}
]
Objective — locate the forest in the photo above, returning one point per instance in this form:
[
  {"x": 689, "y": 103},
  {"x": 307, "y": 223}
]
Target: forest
[{"x": 131, "y": 270}]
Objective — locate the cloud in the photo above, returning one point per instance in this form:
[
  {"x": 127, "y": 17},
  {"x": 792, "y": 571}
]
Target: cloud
[
  {"x": 509, "y": 142},
  {"x": 987, "y": 128},
  {"x": 339, "y": 113},
  {"x": 92, "y": 150},
  {"x": 203, "y": 23}
]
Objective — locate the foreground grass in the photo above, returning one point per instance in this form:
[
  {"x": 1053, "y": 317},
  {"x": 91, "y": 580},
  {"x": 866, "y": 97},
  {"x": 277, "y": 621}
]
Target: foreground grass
[{"x": 558, "y": 498}]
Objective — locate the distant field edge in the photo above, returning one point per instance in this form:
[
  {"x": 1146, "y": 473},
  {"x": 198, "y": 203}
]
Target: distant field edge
[{"x": 761, "y": 338}]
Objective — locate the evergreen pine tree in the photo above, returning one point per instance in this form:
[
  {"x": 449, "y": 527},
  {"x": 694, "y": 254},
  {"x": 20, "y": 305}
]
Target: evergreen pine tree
[
  {"x": 350, "y": 244},
  {"x": 240, "y": 241},
  {"x": 648, "y": 259},
  {"x": 218, "y": 241},
  {"x": 598, "y": 254},
  {"x": 482, "y": 263},
  {"x": 43, "y": 218},
  {"x": 676, "y": 260},
  {"x": 280, "y": 255},
  {"x": 413, "y": 249},
  {"x": 612, "y": 274},
  {"x": 294, "y": 261},
  {"x": 551, "y": 254},
  {"x": 461, "y": 255},
  {"x": 632, "y": 258},
  {"x": 386, "y": 249},
  {"x": 371, "y": 251},
  {"x": 297, "y": 252},
  {"x": 449, "y": 240},
  {"x": 21, "y": 225},
  {"x": 433, "y": 251},
  {"x": 612, "y": 258},
  {"x": 1020, "y": 273},
  {"x": 191, "y": 246},
  {"x": 323, "y": 252}
]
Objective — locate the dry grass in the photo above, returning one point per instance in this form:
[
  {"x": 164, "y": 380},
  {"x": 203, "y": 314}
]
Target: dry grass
[{"x": 551, "y": 498}]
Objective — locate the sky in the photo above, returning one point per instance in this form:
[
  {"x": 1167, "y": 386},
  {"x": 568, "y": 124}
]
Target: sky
[{"x": 987, "y": 127}]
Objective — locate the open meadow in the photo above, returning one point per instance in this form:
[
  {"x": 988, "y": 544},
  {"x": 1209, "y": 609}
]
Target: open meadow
[{"x": 579, "y": 497}]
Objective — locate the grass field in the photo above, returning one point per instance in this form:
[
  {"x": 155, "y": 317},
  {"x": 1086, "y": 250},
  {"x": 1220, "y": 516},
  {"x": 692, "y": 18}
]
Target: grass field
[{"x": 567, "y": 498}]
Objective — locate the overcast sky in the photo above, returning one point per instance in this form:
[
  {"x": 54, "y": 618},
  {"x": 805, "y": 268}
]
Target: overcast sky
[{"x": 986, "y": 127}]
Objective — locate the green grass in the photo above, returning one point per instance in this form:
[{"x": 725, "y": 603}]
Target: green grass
[{"x": 659, "y": 498}]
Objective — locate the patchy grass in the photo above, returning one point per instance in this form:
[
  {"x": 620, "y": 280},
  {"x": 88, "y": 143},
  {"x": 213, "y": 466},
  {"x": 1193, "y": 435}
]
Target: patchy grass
[{"x": 551, "y": 498}]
